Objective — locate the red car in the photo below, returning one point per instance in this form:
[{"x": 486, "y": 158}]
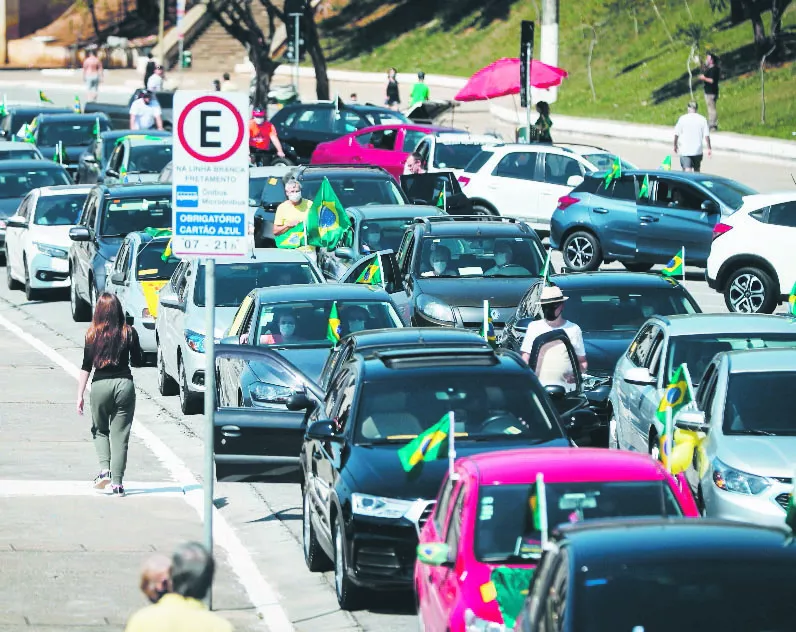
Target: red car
[
  {"x": 483, "y": 522},
  {"x": 386, "y": 146}
]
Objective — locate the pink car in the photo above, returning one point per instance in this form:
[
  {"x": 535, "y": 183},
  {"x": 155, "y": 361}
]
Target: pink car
[
  {"x": 483, "y": 521},
  {"x": 386, "y": 146}
]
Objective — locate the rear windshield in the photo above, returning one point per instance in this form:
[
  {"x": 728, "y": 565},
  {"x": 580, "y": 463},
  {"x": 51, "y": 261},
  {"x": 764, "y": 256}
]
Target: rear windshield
[
  {"x": 129, "y": 215},
  {"x": 70, "y": 133},
  {"x": 354, "y": 191},
  {"x": 235, "y": 280},
  {"x": 20, "y": 154},
  {"x": 16, "y": 183},
  {"x": 478, "y": 161},
  {"x": 59, "y": 210},
  {"x": 151, "y": 265}
]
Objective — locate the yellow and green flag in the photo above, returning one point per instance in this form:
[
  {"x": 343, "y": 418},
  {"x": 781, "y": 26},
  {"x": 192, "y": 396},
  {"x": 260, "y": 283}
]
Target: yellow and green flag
[
  {"x": 371, "y": 275},
  {"x": 426, "y": 446},
  {"x": 43, "y": 98},
  {"x": 292, "y": 237},
  {"x": 326, "y": 219},
  {"x": 97, "y": 130},
  {"x": 60, "y": 154},
  {"x": 333, "y": 331},
  {"x": 3, "y": 107},
  {"x": 676, "y": 395},
  {"x": 614, "y": 173},
  {"x": 442, "y": 201},
  {"x": 546, "y": 270},
  {"x": 676, "y": 265},
  {"x": 666, "y": 165},
  {"x": 76, "y": 107},
  {"x": 644, "y": 190},
  {"x": 792, "y": 300},
  {"x": 487, "y": 331}
]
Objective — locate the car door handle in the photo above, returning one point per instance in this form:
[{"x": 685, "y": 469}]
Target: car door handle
[
  {"x": 648, "y": 218},
  {"x": 231, "y": 431},
  {"x": 601, "y": 211}
]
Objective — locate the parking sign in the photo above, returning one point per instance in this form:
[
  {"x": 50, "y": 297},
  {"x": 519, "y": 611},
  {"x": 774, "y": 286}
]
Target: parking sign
[{"x": 210, "y": 175}]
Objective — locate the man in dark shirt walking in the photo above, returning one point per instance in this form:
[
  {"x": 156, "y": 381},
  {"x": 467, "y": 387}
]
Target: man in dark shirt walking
[{"x": 710, "y": 77}]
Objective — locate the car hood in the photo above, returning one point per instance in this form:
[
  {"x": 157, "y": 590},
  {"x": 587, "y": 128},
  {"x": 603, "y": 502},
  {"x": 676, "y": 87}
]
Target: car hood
[
  {"x": 9, "y": 206},
  {"x": 54, "y": 235},
  {"x": 376, "y": 470},
  {"x": 471, "y": 292},
  {"x": 764, "y": 456},
  {"x": 604, "y": 348},
  {"x": 309, "y": 361}
]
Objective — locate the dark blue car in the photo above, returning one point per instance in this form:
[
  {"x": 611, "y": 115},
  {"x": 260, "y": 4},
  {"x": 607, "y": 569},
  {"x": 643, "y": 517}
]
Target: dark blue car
[{"x": 642, "y": 225}]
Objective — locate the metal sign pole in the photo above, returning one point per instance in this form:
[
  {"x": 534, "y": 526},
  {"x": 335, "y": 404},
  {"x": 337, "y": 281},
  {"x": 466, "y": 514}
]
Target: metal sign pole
[
  {"x": 296, "y": 54},
  {"x": 210, "y": 405},
  {"x": 528, "y": 89}
]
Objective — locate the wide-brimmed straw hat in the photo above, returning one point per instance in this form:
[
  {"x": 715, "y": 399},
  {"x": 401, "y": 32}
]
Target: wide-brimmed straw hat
[{"x": 552, "y": 294}]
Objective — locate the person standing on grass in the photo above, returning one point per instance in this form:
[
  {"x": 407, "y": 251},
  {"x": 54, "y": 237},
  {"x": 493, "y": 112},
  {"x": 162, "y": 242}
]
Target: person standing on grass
[
  {"x": 92, "y": 74},
  {"x": 111, "y": 347},
  {"x": 420, "y": 92},
  {"x": 691, "y": 135},
  {"x": 710, "y": 77}
]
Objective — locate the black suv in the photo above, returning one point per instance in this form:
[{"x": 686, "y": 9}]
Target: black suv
[
  {"x": 74, "y": 131},
  {"x": 19, "y": 114},
  {"x": 305, "y": 125},
  {"x": 109, "y": 214},
  {"x": 354, "y": 185}
]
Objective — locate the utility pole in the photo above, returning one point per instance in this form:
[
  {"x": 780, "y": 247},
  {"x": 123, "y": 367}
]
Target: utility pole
[
  {"x": 180, "y": 34},
  {"x": 549, "y": 47},
  {"x": 296, "y": 49},
  {"x": 161, "y": 22}
]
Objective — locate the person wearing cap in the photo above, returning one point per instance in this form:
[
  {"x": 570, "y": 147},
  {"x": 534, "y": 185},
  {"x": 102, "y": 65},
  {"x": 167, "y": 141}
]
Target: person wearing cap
[
  {"x": 145, "y": 113},
  {"x": 552, "y": 302},
  {"x": 691, "y": 134},
  {"x": 262, "y": 133},
  {"x": 155, "y": 82}
]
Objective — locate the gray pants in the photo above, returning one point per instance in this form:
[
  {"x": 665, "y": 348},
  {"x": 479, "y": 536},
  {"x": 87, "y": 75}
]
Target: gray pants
[
  {"x": 713, "y": 116},
  {"x": 112, "y": 408}
]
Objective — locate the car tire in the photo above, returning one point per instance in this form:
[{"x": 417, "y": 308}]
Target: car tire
[
  {"x": 81, "y": 311},
  {"x": 483, "y": 209},
  {"x": 166, "y": 384},
  {"x": 287, "y": 162},
  {"x": 314, "y": 556},
  {"x": 637, "y": 266},
  {"x": 349, "y": 595},
  {"x": 12, "y": 283},
  {"x": 750, "y": 290},
  {"x": 30, "y": 293},
  {"x": 188, "y": 401},
  {"x": 582, "y": 252}
]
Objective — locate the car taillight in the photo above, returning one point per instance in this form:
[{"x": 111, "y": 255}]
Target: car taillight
[
  {"x": 719, "y": 229},
  {"x": 566, "y": 201},
  {"x": 464, "y": 180}
]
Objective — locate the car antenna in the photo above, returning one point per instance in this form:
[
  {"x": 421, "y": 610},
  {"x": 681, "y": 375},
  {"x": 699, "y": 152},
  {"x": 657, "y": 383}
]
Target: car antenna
[{"x": 792, "y": 178}]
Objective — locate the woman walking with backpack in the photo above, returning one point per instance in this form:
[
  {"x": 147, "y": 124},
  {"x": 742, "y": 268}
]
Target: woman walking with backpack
[{"x": 111, "y": 347}]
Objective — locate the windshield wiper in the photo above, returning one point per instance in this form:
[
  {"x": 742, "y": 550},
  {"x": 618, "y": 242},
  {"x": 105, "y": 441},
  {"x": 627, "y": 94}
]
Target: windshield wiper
[{"x": 754, "y": 431}]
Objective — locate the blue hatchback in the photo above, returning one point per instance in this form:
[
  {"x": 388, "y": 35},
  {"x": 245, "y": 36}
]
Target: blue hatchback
[{"x": 642, "y": 218}]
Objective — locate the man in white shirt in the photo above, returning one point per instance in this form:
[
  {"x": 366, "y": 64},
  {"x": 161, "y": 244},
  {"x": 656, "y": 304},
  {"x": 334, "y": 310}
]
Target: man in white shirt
[
  {"x": 690, "y": 134},
  {"x": 552, "y": 302},
  {"x": 155, "y": 82},
  {"x": 145, "y": 112}
]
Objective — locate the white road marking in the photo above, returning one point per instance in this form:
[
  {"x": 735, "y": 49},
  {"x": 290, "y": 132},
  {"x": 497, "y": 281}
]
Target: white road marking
[
  {"x": 259, "y": 590},
  {"x": 21, "y": 488}
]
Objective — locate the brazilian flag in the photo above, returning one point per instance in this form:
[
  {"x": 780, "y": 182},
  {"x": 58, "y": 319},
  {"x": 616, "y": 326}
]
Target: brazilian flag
[
  {"x": 371, "y": 275},
  {"x": 333, "y": 332},
  {"x": 666, "y": 165},
  {"x": 291, "y": 238},
  {"x": 677, "y": 395},
  {"x": 43, "y": 98},
  {"x": 76, "y": 107},
  {"x": 792, "y": 300},
  {"x": 487, "y": 331},
  {"x": 614, "y": 173},
  {"x": 326, "y": 219},
  {"x": 644, "y": 191},
  {"x": 97, "y": 130},
  {"x": 425, "y": 446},
  {"x": 676, "y": 265}
]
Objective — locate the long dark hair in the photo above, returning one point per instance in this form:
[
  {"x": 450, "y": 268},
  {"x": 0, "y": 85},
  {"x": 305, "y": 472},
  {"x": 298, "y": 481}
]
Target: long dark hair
[{"x": 108, "y": 334}]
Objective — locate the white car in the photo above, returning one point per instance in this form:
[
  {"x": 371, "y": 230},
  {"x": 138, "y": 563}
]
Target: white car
[
  {"x": 37, "y": 238},
  {"x": 751, "y": 257},
  {"x": 180, "y": 323},
  {"x": 451, "y": 151},
  {"x": 526, "y": 180}
]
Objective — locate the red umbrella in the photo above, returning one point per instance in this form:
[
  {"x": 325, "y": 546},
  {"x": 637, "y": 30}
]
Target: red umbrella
[{"x": 502, "y": 77}]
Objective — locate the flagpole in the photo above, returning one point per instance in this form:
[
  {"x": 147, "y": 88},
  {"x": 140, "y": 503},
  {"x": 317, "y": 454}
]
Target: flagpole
[
  {"x": 451, "y": 446},
  {"x": 683, "y": 263},
  {"x": 689, "y": 382},
  {"x": 381, "y": 271},
  {"x": 486, "y": 320},
  {"x": 541, "y": 498},
  {"x": 444, "y": 198},
  {"x": 669, "y": 432}
]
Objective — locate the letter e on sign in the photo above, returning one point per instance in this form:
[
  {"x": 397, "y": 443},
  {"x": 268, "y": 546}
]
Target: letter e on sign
[{"x": 211, "y": 129}]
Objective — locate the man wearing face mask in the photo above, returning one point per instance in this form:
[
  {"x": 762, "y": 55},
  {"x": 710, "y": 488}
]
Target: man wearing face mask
[
  {"x": 356, "y": 318},
  {"x": 292, "y": 211},
  {"x": 504, "y": 255},
  {"x": 441, "y": 262},
  {"x": 262, "y": 133},
  {"x": 372, "y": 238},
  {"x": 552, "y": 303}
]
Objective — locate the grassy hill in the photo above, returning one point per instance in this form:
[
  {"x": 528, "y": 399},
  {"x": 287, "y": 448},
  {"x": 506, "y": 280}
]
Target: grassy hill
[{"x": 638, "y": 77}]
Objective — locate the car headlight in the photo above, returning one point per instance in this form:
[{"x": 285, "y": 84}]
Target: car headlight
[
  {"x": 731, "y": 480},
  {"x": 195, "y": 341},
  {"x": 51, "y": 251},
  {"x": 379, "y": 506},
  {"x": 472, "y": 623},
  {"x": 266, "y": 393},
  {"x": 435, "y": 308}
]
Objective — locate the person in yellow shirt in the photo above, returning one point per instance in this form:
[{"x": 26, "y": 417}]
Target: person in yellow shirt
[
  {"x": 292, "y": 211},
  {"x": 182, "y": 610}
]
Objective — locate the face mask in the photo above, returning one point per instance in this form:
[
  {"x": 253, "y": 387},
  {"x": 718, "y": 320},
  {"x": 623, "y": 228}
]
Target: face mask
[
  {"x": 287, "y": 329},
  {"x": 439, "y": 266},
  {"x": 356, "y": 325},
  {"x": 259, "y": 121},
  {"x": 294, "y": 197},
  {"x": 501, "y": 259}
]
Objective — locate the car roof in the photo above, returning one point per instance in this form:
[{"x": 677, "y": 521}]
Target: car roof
[
  {"x": 669, "y": 539},
  {"x": 520, "y": 466},
  {"x": 266, "y": 255},
  {"x": 460, "y": 138},
  {"x": 112, "y": 134},
  {"x": 393, "y": 211},
  {"x": 317, "y": 172},
  {"x": 680, "y": 175},
  {"x": 416, "y": 336},
  {"x": 65, "y": 189},
  {"x": 582, "y": 149},
  {"x": 322, "y": 291},
  {"x": 761, "y": 200},
  {"x": 394, "y": 363},
  {"x": 141, "y": 142},
  {"x": 136, "y": 190},
  {"x": 30, "y": 163},
  {"x": 761, "y": 360},
  {"x": 457, "y": 227},
  {"x": 10, "y": 144},
  {"x": 64, "y": 116},
  {"x": 622, "y": 278},
  {"x": 37, "y": 107},
  {"x": 691, "y": 324},
  {"x": 418, "y": 127}
]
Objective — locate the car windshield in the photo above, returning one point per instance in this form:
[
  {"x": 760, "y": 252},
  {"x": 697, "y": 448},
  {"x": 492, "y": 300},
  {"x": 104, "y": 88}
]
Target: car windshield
[
  {"x": 455, "y": 155},
  {"x": 707, "y": 592},
  {"x": 476, "y": 256},
  {"x": 604, "y": 161},
  {"x": 485, "y": 406},
  {"x": 760, "y": 403},
  {"x": 354, "y": 191},
  {"x": 308, "y": 323},
  {"x": 70, "y": 133},
  {"x": 235, "y": 280},
  {"x": 151, "y": 264},
  {"x": 505, "y": 530},
  {"x": 149, "y": 158},
  {"x": 20, "y": 154},
  {"x": 384, "y": 234},
  {"x": 729, "y": 192},
  {"x": 59, "y": 210},
  {"x": 698, "y": 351},
  {"x": 16, "y": 183},
  {"x": 130, "y": 215}
]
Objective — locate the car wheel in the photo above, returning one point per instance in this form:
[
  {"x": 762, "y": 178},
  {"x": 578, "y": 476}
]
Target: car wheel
[
  {"x": 81, "y": 311},
  {"x": 317, "y": 561},
  {"x": 166, "y": 384},
  {"x": 282, "y": 161},
  {"x": 12, "y": 283},
  {"x": 637, "y": 266},
  {"x": 348, "y": 594},
  {"x": 751, "y": 291},
  {"x": 582, "y": 252},
  {"x": 482, "y": 209},
  {"x": 188, "y": 401},
  {"x": 30, "y": 293}
]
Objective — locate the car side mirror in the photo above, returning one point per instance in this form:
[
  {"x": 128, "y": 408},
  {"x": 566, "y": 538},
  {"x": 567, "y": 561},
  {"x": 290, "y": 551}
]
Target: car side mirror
[
  {"x": 112, "y": 173},
  {"x": 574, "y": 181},
  {"x": 16, "y": 221},
  {"x": 90, "y": 158},
  {"x": 556, "y": 391},
  {"x": 709, "y": 206},
  {"x": 639, "y": 376},
  {"x": 435, "y": 554},
  {"x": 693, "y": 420},
  {"x": 229, "y": 340},
  {"x": 299, "y": 401},
  {"x": 117, "y": 278},
  {"x": 79, "y": 233},
  {"x": 580, "y": 422},
  {"x": 344, "y": 253},
  {"x": 322, "y": 430}
]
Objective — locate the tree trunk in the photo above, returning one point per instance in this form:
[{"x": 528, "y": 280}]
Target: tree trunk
[
  {"x": 264, "y": 68},
  {"x": 759, "y": 31},
  {"x": 777, "y": 11},
  {"x": 313, "y": 44},
  {"x": 690, "y": 74},
  {"x": 592, "y": 44},
  {"x": 93, "y": 11},
  {"x": 660, "y": 17},
  {"x": 763, "y": 86}
]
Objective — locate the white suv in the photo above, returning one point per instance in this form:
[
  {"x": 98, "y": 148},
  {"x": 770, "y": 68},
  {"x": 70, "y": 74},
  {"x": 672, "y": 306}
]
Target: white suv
[
  {"x": 525, "y": 181},
  {"x": 451, "y": 151},
  {"x": 751, "y": 258}
]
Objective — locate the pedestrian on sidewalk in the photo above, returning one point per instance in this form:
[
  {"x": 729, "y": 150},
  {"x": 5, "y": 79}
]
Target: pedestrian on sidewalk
[
  {"x": 156, "y": 577},
  {"x": 182, "y": 610},
  {"x": 155, "y": 82},
  {"x": 544, "y": 123},
  {"x": 393, "y": 99},
  {"x": 691, "y": 135},
  {"x": 92, "y": 74},
  {"x": 420, "y": 91},
  {"x": 149, "y": 70},
  {"x": 110, "y": 348},
  {"x": 710, "y": 77}
]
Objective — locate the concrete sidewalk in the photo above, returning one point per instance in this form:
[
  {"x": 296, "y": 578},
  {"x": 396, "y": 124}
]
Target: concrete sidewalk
[{"x": 70, "y": 556}]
